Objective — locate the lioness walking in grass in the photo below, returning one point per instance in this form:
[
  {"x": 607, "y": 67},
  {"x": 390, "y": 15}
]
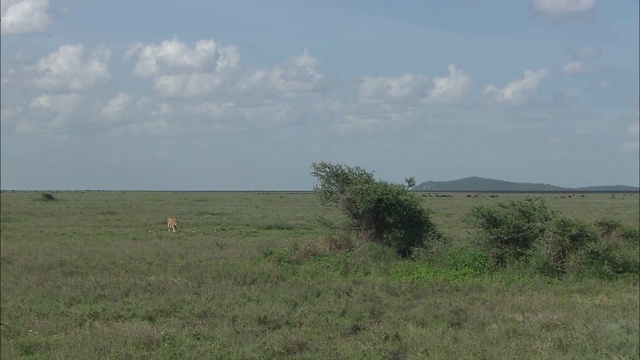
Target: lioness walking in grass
[{"x": 172, "y": 224}]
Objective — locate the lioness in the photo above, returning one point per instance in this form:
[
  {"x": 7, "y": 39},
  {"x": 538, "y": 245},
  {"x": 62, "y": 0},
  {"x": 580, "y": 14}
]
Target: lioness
[{"x": 172, "y": 224}]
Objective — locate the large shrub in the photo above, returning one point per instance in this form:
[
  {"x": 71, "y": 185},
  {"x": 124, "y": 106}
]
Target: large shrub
[
  {"x": 562, "y": 239},
  {"x": 378, "y": 211},
  {"x": 507, "y": 231},
  {"x": 527, "y": 233}
]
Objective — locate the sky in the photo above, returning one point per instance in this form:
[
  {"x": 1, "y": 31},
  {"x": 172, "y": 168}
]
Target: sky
[{"x": 248, "y": 94}]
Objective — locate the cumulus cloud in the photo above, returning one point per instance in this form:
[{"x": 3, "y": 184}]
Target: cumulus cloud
[
  {"x": 179, "y": 69},
  {"x": 295, "y": 77},
  {"x": 372, "y": 123},
  {"x": 449, "y": 88},
  {"x": 587, "y": 52},
  {"x": 234, "y": 115},
  {"x": 445, "y": 89},
  {"x": 516, "y": 91},
  {"x": 69, "y": 69},
  {"x": 187, "y": 85},
  {"x": 328, "y": 105},
  {"x": 8, "y": 116},
  {"x": 574, "y": 67},
  {"x": 633, "y": 134},
  {"x": 117, "y": 106},
  {"x": 155, "y": 127},
  {"x": 48, "y": 113},
  {"x": 176, "y": 57},
  {"x": 579, "y": 56},
  {"x": 634, "y": 130},
  {"x": 143, "y": 117},
  {"x": 405, "y": 86},
  {"x": 563, "y": 7},
  {"x": 24, "y": 16}
]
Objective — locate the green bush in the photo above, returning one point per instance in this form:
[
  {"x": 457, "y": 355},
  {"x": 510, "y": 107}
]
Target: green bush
[
  {"x": 608, "y": 226},
  {"x": 608, "y": 260},
  {"x": 528, "y": 235},
  {"x": 378, "y": 211},
  {"x": 562, "y": 238},
  {"x": 507, "y": 231},
  {"x": 47, "y": 197},
  {"x": 614, "y": 230}
]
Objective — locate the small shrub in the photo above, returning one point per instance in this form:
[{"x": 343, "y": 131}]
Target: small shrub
[
  {"x": 470, "y": 260},
  {"x": 328, "y": 246},
  {"x": 277, "y": 226},
  {"x": 47, "y": 197}
]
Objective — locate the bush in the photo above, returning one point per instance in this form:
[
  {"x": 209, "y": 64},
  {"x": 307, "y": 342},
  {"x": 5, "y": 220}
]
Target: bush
[
  {"x": 47, "y": 197},
  {"x": 614, "y": 230},
  {"x": 507, "y": 231},
  {"x": 608, "y": 226},
  {"x": 527, "y": 234},
  {"x": 563, "y": 238},
  {"x": 608, "y": 260},
  {"x": 378, "y": 211}
]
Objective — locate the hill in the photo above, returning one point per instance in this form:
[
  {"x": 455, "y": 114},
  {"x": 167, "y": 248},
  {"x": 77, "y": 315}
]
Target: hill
[{"x": 492, "y": 185}]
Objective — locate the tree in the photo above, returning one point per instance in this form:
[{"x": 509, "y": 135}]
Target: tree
[{"x": 378, "y": 211}]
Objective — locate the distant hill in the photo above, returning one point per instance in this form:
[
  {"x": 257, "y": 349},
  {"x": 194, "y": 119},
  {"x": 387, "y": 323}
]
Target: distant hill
[{"x": 481, "y": 184}]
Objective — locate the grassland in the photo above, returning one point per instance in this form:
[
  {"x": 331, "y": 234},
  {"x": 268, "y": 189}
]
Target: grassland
[{"x": 96, "y": 275}]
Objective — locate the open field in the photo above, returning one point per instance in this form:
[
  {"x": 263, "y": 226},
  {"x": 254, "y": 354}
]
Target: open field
[{"x": 96, "y": 275}]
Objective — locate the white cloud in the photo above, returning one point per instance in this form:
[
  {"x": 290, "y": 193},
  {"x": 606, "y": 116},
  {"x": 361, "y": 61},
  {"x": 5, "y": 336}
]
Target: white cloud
[
  {"x": 632, "y": 144},
  {"x": 574, "y": 67},
  {"x": 117, "y": 106},
  {"x": 516, "y": 91},
  {"x": 163, "y": 109},
  {"x": 588, "y": 52},
  {"x": 358, "y": 123},
  {"x": 556, "y": 140},
  {"x": 24, "y": 16},
  {"x": 7, "y": 116},
  {"x": 145, "y": 118},
  {"x": 297, "y": 76},
  {"x": 603, "y": 85},
  {"x": 328, "y": 105},
  {"x": 407, "y": 85},
  {"x": 156, "y": 127},
  {"x": 451, "y": 88},
  {"x": 187, "y": 85},
  {"x": 445, "y": 89},
  {"x": 634, "y": 130},
  {"x": 235, "y": 116},
  {"x": 563, "y": 7},
  {"x": 173, "y": 57},
  {"x": 181, "y": 70},
  {"x": 68, "y": 69},
  {"x": 375, "y": 122},
  {"x": 65, "y": 103},
  {"x": 49, "y": 113}
]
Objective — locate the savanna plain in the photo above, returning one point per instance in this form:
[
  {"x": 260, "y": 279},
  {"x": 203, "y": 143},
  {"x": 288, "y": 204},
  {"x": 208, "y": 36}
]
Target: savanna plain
[{"x": 92, "y": 275}]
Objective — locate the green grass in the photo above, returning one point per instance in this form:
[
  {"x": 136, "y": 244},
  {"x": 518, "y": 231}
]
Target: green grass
[{"x": 96, "y": 275}]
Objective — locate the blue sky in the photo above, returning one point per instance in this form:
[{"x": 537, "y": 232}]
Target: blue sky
[{"x": 246, "y": 95}]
